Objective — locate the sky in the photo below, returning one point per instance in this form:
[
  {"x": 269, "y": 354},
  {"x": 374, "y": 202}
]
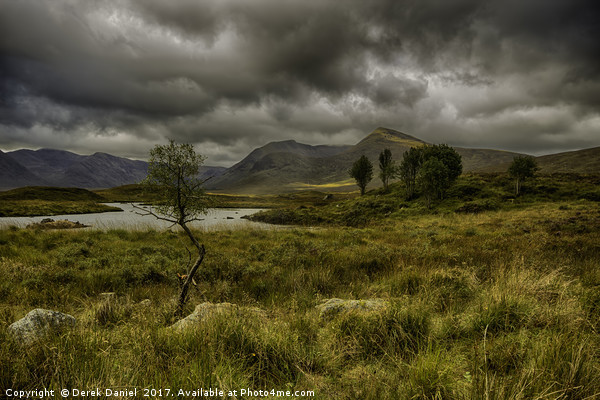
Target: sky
[{"x": 121, "y": 76}]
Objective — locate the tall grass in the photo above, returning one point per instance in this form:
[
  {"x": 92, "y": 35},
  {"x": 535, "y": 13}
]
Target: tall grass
[{"x": 495, "y": 305}]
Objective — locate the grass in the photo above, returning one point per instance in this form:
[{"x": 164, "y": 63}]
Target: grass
[
  {"x": 32, "y": 201},
  {"x": 472, "y": 193},
  {"x": 494, "y": 304}
]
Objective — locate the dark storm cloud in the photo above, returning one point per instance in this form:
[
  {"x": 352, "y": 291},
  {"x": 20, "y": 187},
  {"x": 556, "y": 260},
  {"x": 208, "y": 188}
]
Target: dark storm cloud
[{"x": 230, "y": 75}]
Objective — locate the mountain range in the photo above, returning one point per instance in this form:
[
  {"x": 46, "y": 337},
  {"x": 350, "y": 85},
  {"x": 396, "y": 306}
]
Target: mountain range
[{"x": 274, "y": 168}]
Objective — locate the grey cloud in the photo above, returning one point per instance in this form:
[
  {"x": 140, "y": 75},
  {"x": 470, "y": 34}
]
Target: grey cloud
[{"x": 234, "y": 74}]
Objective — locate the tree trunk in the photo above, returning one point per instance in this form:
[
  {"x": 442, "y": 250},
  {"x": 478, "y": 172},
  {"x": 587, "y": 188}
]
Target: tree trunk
[
  {"x": 186, "y": 284},
  {"x": 192, "y": 271}
]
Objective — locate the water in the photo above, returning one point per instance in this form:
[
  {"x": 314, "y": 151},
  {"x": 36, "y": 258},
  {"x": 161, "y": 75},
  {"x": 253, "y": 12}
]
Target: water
[{"x": 129, "y": 218}]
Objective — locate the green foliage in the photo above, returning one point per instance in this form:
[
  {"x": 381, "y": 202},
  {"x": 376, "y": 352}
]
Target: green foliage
[
  {"x": 432, "y": 169},
  {"x": 387, "y": 167},
  {"x": 362, "y": 172},
  {"x": 409, "y": 169},
  {"x": 521, "y": 168},
  {"x": 432, "y": 179},
  {"x": 173, "y": 178},
  {"x": 448, "y": 156}
]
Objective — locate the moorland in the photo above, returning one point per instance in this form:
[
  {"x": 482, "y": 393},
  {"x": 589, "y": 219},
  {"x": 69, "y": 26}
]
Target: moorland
[{"x": 487, "y": 296}]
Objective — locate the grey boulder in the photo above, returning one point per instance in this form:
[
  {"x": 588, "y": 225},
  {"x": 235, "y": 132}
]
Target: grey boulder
[{"x": 39, "y": 323}]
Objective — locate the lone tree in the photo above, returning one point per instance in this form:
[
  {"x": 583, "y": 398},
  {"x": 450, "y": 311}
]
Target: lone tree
[
  {"x": 173, "y": 177},
  {"x": 362, "y": 172},
  {"x": 522, "y": 167},
  {"x": 387, "y": 167}
]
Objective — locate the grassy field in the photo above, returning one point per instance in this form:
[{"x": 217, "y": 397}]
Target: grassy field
[
  {"x": 135, "y": 193},
  {"x": 493, "y": 304},
  {"x": 33, "y": 201},
  {"x": 472, "y": 193},
  {"x": 40, "y": 200}
]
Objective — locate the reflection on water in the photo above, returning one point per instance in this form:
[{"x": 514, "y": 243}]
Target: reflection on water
[{"x": 130, "y": 218}]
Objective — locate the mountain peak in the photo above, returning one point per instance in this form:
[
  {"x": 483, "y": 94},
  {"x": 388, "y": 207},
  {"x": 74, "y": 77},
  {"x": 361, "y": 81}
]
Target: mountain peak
[{"x": 387, "y": 134}]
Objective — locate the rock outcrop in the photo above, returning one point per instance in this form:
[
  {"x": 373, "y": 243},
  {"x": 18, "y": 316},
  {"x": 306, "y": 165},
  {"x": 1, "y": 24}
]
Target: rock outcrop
[{"x": 39, "y": 323}]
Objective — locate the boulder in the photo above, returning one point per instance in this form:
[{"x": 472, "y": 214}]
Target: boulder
[
  {"x": 39, "y": 323},
  {"x": 205, "y": 311},
  {"x": 331, "y": 307}
]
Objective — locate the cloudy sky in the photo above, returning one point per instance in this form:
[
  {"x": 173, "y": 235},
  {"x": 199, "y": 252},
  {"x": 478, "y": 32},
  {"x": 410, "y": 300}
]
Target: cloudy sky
[{"x": 230, "y": 75}]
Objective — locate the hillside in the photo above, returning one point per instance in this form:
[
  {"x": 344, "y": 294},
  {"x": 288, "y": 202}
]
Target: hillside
[
  {"x": 586, "y": 161},
  {"x": 581, "y": 161},
  {"x": 51, "y": 167},
  {"x": 13, "y": 174},
  {"x": 49, "y": 164},
  {"x": 102, "y": 170},
  {"x": 285, "y": 166},
  {"x": 277, "y": 167},
  {"x": 275, "y": 164}
]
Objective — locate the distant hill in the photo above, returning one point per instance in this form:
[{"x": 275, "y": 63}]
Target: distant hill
[
  {"x": 277, "y": 167},
  {"x": 286, "y": 166},
  {"x": 48, "y": 164},
  {"x": 275, "y": 163},
  {"x": 50, "y": 167},
  {"x": 50, "y": 194},
  {"x": 13, "y": 174},
  {"x": 586, "y": 161},
  {"x": 581, "y": 161}
]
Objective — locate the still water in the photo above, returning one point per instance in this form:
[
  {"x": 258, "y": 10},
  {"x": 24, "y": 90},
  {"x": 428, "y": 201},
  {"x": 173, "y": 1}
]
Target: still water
[{"x": 129, "y": 218}]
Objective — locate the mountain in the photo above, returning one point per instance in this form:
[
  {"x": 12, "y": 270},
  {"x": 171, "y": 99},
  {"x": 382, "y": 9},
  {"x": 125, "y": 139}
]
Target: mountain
[
  {"x": 13, "y": 174},
  {"x": 581, "y": 161},
  {"x": 282, "y": 162},
  {"x": 49, "y": 164},
  {"x": 101, "y": 170},
  {"x": 66, "y": 169},
  {"x": 50, "y": 167},
  {"x": 285, "y": 166},
  {"x": 274, "y": 168}
]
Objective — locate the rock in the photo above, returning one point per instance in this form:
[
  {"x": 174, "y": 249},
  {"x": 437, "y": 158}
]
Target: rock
[
  {"x": 38, "y": 323},
  {"x": 332, "y": 307},
  {"x": 207, "y": 310},
  {"x": 46, "y": 221}
]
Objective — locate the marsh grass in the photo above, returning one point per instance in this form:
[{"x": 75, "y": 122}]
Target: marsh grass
[{"x": 492, "y": 305}]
